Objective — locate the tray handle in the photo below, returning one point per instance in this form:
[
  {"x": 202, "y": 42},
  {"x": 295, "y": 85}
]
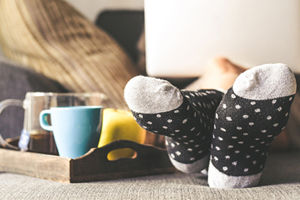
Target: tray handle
[
  {"x": 5, "y": 144},
  {"x": 140, "y": 149},
  {"x": 95, "y": 164}
]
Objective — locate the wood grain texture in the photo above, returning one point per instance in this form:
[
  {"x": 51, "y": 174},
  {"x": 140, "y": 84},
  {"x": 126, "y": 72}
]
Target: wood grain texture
[
  {"x": 93, "y": 166},
  {"x": 43, "y": 166}
]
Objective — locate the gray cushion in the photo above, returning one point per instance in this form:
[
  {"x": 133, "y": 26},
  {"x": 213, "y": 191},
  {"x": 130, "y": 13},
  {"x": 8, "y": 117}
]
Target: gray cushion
[
  {"x": 15, "y": 81},
  {"x": 280, "y": 180}
]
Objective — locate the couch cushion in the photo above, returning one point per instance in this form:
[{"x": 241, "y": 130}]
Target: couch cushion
[
  {"x": 280, "y": 180},
  {"x": 56, "y": 40}
]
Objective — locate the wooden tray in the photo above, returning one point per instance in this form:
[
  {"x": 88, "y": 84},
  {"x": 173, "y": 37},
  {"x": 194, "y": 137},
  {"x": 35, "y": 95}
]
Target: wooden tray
[{"x": 93, "y": 166}]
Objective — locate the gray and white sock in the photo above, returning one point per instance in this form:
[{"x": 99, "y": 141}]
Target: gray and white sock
[
  {"x": 251, "y": 114},
  {"x": 185, "y": 117}
]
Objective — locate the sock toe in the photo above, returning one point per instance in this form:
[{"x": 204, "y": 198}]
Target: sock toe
[
  {"x": 151, "y": 95},
  {"x": 274, "y": 80}
]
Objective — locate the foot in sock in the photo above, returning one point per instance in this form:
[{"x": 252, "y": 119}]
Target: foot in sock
[
  {"x": 185, "y": 117},
  {"x": 251, "y": 114}
]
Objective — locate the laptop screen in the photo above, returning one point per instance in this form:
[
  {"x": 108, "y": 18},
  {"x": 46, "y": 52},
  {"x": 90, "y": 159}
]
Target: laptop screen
[{"x": 181, "y": 36}]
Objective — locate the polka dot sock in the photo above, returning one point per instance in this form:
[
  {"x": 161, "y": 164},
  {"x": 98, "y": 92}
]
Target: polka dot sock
[
  {"x": 251, "y": 114},
  {"x": 185, "y": 117}
]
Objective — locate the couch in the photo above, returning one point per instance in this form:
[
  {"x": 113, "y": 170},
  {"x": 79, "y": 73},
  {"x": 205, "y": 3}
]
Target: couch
[{"x": 280, "y": 179}]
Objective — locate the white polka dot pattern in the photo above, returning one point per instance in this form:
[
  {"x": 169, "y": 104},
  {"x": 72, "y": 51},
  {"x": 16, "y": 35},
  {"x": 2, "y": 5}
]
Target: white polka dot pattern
[
  {"x": 188, "y": 128},
  {"x": 246, "y": 138}
]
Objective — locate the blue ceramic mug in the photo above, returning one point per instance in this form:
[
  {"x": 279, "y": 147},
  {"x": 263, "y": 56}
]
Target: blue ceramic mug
[{"x": 76, "y": 129}]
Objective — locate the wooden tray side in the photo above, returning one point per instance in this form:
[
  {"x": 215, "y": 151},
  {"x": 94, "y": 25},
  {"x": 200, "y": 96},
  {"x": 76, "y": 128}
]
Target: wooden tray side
[
  {"x": 43, "y": 166},
  {"x": 94, "y": 165}
]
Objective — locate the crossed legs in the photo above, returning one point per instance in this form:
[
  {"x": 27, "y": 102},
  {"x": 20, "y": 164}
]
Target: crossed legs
[{"x": 229, "y": 133}]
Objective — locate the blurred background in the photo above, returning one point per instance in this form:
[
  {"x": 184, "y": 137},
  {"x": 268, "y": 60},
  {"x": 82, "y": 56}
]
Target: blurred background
[{"x": 92, "y": 8}]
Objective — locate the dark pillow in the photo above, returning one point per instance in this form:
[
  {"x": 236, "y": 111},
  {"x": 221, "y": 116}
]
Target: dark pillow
[
  {"x": 15, "y": 81},
  {"x": 125, "y": 26}
]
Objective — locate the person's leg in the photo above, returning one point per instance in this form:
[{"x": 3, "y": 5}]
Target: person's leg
[
  {"x": 251, "y": 114},
  {"x": 220, "y": 73},
  {"x": 185, "y": 117},
  {"x": 151, "y": 96}
]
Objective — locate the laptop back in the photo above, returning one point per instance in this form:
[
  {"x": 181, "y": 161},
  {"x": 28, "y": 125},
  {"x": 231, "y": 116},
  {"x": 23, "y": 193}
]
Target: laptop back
[{"x": 182, "y": 35}]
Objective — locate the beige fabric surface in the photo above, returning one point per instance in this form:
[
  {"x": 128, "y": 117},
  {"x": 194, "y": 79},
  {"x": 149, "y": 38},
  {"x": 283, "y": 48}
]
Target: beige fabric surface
[
  {"x": 54, "y": 39},
  {"x": 280, "y": 180}
]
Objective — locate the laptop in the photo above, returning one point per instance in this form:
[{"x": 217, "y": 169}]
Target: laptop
[{"x": 181, "y": 36}]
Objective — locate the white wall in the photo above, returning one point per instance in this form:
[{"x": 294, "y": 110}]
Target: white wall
[{"x": 91, "y": 8}]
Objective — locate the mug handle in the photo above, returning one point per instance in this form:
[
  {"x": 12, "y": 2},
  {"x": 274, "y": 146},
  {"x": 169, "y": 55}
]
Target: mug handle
[
  {"x": 43, "y": 120},
  {"x": 10, "y": 102},
  {"x": 13, "y": 102}
]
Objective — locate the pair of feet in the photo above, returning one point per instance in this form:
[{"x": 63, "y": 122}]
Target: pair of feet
[{"x": 228, "y": 133}]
